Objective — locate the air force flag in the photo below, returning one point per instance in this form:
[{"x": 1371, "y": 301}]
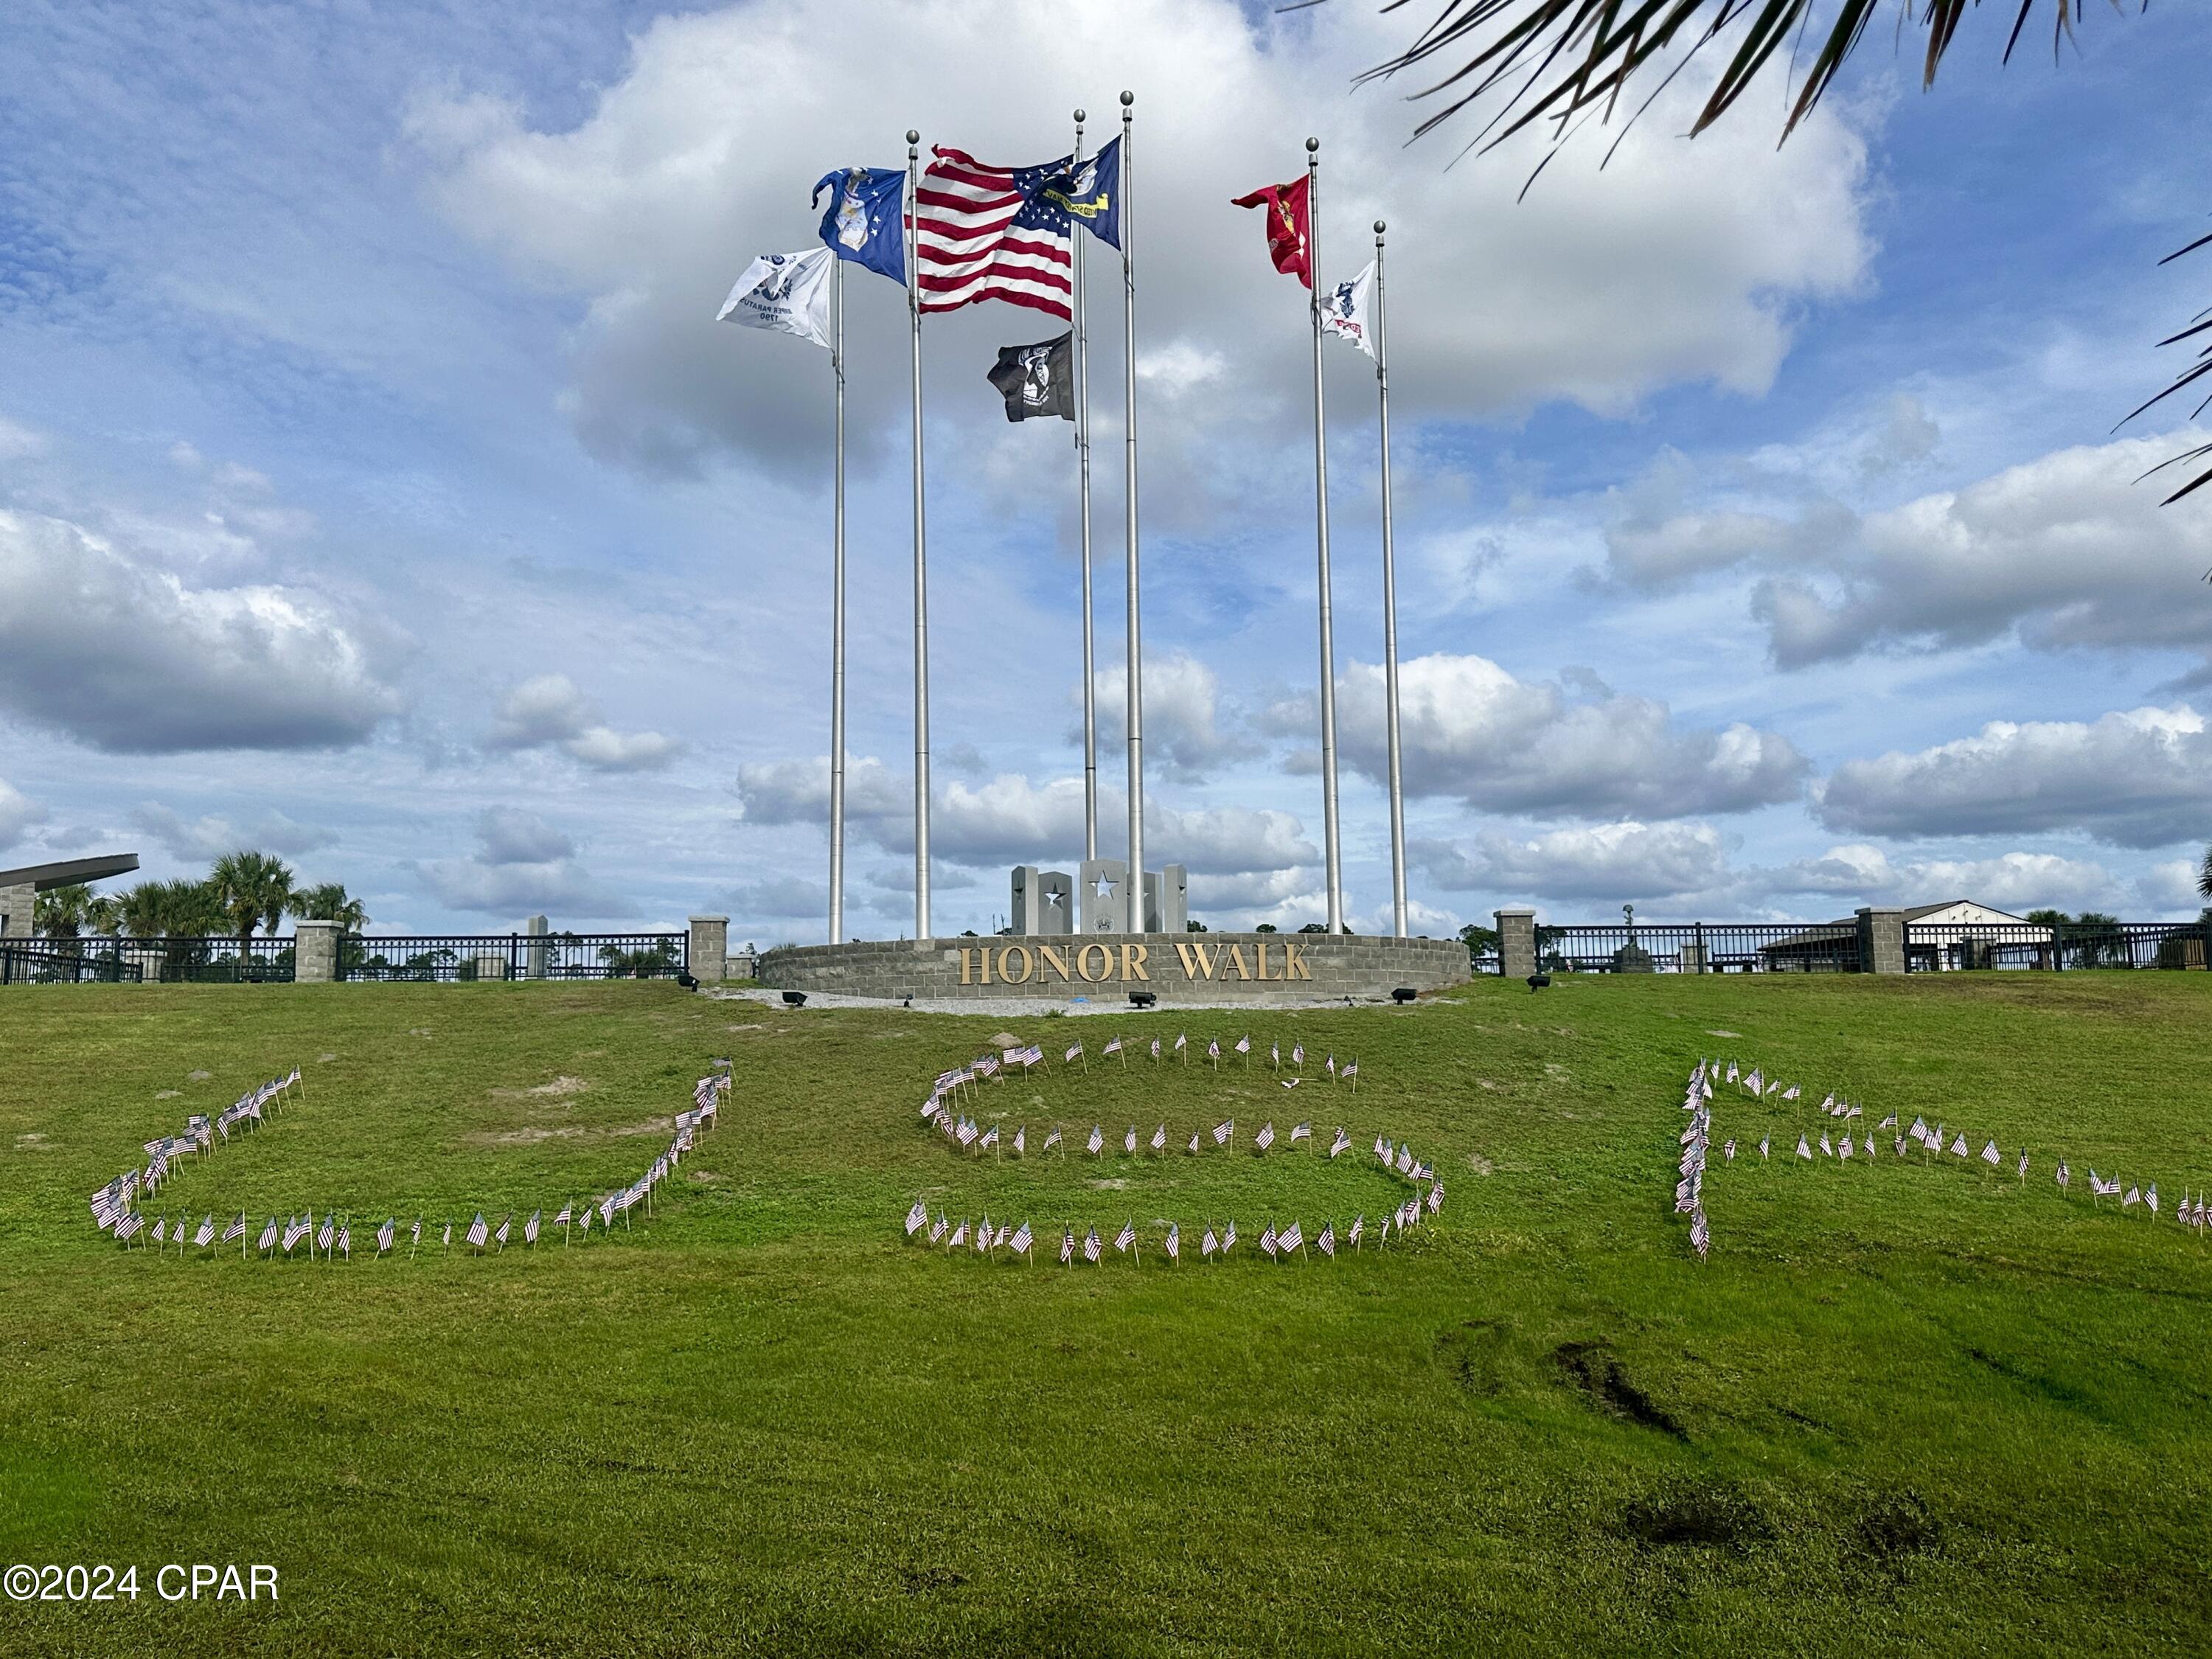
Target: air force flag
[
  {"x": 1347, "y": 310},
  {"x": 866, "y": 222},
  {"x": 788, "y": 293}
]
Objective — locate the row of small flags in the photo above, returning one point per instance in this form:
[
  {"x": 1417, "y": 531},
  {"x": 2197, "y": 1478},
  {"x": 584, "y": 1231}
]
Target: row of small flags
[
  {"x": 1025, "y": 1058},
  {"x": 114, "y": 1204},
  {"x": 1932, "y": 1141},
  {"x": 966, "y": 1133},
  {"x": 334, "y": 1237},
  {"x": 985, "y": 1239}
]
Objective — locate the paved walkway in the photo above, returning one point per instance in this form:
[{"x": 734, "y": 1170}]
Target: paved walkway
[{"x": 1031, "y": 1007}]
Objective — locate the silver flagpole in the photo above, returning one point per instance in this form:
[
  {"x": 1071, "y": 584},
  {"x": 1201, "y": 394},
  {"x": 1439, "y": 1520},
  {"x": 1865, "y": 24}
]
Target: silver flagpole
[
  {"x": 837, "y": 622},
  {"x": 1389, "y": 614},
  {"x": 1321, "y": 542},
  {"x": 920, "y": 566},
  {"x": 1133, "y": 889},
  {"x": 1082, "y": 453}
]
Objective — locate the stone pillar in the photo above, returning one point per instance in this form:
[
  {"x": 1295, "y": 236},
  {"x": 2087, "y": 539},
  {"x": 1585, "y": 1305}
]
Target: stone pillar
[
  {"x": 1881, "y": 941},
  {"x": 534, "y": 955},
  {"x": 1106, "y": 912},
  {"x": 710, "y": 949},
  {"x": 1167, "y": 899},
  {"x": 489, "y": 966},
  {"x": 18, "y": 912},
  {"x": 314, "y": 952},
  {"x": 1516, "y": 942}
]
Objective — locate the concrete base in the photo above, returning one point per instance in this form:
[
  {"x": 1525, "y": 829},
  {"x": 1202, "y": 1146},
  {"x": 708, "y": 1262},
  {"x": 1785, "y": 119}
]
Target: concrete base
[{"x": 1178, "y": 968}]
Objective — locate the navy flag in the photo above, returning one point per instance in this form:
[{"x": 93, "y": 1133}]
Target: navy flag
[
  {"x": 866, "y": 222},
  {"x": 1090, "y": 191}
]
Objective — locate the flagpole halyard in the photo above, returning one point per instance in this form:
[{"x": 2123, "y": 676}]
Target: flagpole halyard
[
  {"x": 920, "y": 563},
  {"x": 1389, "y": 607},
  {"x": 1133, "y": 892},
  {"x": 1321, "y": 544}
]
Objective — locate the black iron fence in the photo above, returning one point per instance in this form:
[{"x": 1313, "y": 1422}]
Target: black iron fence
[
  {"x": 2056, "y": 946},
  {"x": 60, "y": 962},
  {"x": 187, "y": 960},
  {"x": 1697, "y": 947},
  {"x": 465, "y": 957}
]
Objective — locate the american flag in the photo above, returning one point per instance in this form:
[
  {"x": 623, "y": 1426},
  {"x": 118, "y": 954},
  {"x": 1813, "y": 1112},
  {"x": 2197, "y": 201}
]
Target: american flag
[
  {"x": 991, "y": 1136},
  {"x": 476, "y": 1233},
  {"x": 267, "y": 1235},
  {"x": 1129, "y": 1139},
  {"x": 294, "y": 1231},
  {"x": 1764, "y": 1142},
  {"x": 1022, "y": 1240},
  {"x": 1701, "y": 1236},
  {"x": 1097, "y": 1140},
  {"x": 1756, "y": 1082},
  {"x": 1113, "y": 1046},
  {"x": 1074, "y": 1049},
  {"x": 1889, "y": 1122},
  {"x": 561, "y": 1218},
  {"x": 1326, "y": 1243},
  {"x": 1989, "y": 1154},
  {"x": 1728, "y": 1152},
  {"x": 1244, "y": 1045},
  {"x": 1731, "y": 1072},
  {"x": 1266, "y": 1137},
  {"x": 1958, "y": 1146},
  {"x": 205, "y": 1235},
  {"x": 1790, "y": 1093},
  {"x": 1382, "y": 1147},
  {"x": 1304, "y": 1131},
  {"x": 1193, "y": 1140},
  {"x": 1330, "y": 1063},
  {"x": 1846, "y": 1152},
  {"x": 1268, "y": 1239},
  {"x": 530, "y": 1228},
  {"x": 986, "y": 233},
  {"x": 1803, "y": 1151},
  {"x": 1351, "y": 1069},
  {"x": 1155, "y": 1051},
  {"x": 1160, "y": 1138},
  {"x": 2151, "y": 1198},
  {"x": 1275, "y": 1054},
  {"x": 984, "y": 1237},
  {"x": 1179, "y": 1040},
  {"x": 1405, "y": 1160},
  {"x": 236, "y": 1229},
  {"x": 1127, "y": 1237},
  {"x": 2063, "y": 1175},
  {"x": 161, "y": 1230},
  {"x": 386, "y": 1233},
  {"x": 1298, "y": 1053},
  {"x": 959, "y": 1235},
  {"x": 1051, "y": 1140},
  {"x": 1358, "y": 1226},
  {"x": 1021, "y": 1141},
  {"x": 1213, "y": 1048},
  {"x": 937, "y": 1230},
  {"x": 1827, "y": 1149},
  {"x": 129, "y": 1225},
  {"x": 345, "y": 1241},
  {"x": 1091, "y": 1245},
  {"x": 1223, "y": 1131},
  {"x": 1292, "y": 1082},
  {"x": 1435, "y": 1196},
  {"x": 1067, "y": 1247},
  {"x": 1229, "y": 1238},
  {"x": 2135, "y": 1196},
  {"x": 1175, "y": 1241},
  {"x": 1207, "y": 1245}
]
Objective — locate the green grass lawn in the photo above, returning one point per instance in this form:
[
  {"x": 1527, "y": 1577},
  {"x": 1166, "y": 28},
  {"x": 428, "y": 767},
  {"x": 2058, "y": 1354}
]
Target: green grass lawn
[{"x": 1901, "y": 1408}]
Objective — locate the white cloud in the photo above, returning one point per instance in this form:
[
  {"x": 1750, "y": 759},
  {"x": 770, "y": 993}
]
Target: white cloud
[
  {"x": 210, "y": 836},
  {"x": 129, "y": 658},
  {"x": 1470, "y": 729},
  {"x": 549, "y": 710},
  {"x": 18, "y": 812},
  {"x": 2170, "y": 887},
  {"x": 521, "y": 863},
  {"x": 507, "y": 834},
  {"x": 1611, "y": 862},
  {"x": 2018, "y": 881},
  {"x": 2068, "y": 549},
  {"x": 1182, "y": 717},
  {"x": 1678, "y": 263},
  {"x": 18, "y": 441},
  {"x": 2142, "y": 778}
]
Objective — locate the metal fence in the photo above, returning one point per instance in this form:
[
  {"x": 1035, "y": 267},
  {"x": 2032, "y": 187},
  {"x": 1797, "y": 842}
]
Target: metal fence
[
  {"x": 1699, "y": 947},
  {"x": 465, "y": 957},
  {"x": 60, "y": 962},
  {"x": 196, "y": 960},
  {"x": 2056, "y": 946}
]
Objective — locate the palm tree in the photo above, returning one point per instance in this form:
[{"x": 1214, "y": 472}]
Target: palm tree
[
  {"x": 167, "y": 909},
  {"x": 330, "y": 902},
  {"x": 252, "y": 888},
  {"x": 62, "y": 913},
  {"x": 1565, "y": 63},
  {"x": 2205, "y": 875}
]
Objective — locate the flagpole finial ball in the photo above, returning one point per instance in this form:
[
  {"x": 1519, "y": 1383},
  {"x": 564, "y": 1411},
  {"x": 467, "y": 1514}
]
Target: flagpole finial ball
[
  {"x": 1079, "y": 115},
  {"x": 912, "y": 136},
  {"x": 1128, "y": 99},
  {"x": 1312, "y": 145},
  {"x": 1379, "y": 227}
]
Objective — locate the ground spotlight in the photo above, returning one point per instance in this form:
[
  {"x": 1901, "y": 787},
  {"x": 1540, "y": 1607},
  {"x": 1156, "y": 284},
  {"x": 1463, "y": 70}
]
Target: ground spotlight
[
  {"x": 794, "y": 999},
  {"x": 1143, "y": 998},
  {"x": 1404, "y": 994},
  {"x": 1538, "y": 982},
  {"x": 687, "y": 981}
]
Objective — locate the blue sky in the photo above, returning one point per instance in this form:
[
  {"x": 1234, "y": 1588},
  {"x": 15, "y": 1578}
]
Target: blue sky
[{"x": 375, "y": 486}]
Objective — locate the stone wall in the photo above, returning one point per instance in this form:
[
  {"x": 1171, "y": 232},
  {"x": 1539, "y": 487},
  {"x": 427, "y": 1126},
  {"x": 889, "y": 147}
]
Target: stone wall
[{"x": 1176, "y": 967}]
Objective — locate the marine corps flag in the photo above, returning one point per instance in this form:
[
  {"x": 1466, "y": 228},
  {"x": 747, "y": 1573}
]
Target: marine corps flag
[
  {"x": 1289, "y": 227},
  {"x": 1038, "y": 380}
]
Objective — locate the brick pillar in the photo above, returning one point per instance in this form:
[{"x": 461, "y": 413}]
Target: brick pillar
[
  {"x": 18, "y": 908},
  {"x": 1516, "y": 942},
  {"x": 710, "y": 949},
  {"x": 314, "y": 952},
  {"x": 1881, "y": 941}
]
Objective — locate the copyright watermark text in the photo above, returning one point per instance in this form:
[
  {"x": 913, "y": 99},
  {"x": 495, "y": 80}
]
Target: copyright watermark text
[{"x": 172, "y": 1581}]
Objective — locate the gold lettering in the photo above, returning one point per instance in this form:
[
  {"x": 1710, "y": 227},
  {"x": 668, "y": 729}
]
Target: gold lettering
[
  {"x": 1234, "y": 958},
  {"x": 1294, "y": 961},
  {"x": 1197, "y": 960},
  {"x": 1105, "y": 962},
  {"x": 1051, "y": 956},
  {"x": 981, "y": 962},
  {"x": 1261, "y": 949},
  {"x": 1005, "y": 959},
  {"x": 1133, "y": 962}
]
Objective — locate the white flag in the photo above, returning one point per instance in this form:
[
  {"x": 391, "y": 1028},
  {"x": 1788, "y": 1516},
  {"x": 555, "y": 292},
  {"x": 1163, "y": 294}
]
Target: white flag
[
  {"x": 788, "y": 292},
  {"x": 1347, "y": 310}
]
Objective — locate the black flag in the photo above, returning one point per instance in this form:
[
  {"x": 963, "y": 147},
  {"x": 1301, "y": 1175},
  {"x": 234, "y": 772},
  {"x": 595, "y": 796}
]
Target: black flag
[{"x": 1037, "y": 379}]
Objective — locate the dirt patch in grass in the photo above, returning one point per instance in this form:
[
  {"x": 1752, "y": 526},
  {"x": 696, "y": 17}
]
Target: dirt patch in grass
[
  {"x": 1901, "y": 1523},
  {"x": 1696, "y": 1511},
  {"x": 531, "y": 1133},
  {"x": 1593, "y": 1368}
]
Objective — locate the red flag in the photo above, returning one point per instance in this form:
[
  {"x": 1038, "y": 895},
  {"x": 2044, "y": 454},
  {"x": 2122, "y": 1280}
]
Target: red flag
[{"x": 1288, "y": 222}]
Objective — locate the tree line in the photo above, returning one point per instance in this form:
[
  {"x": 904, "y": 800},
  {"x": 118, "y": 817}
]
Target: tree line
[{"x": 240, "y": 892}]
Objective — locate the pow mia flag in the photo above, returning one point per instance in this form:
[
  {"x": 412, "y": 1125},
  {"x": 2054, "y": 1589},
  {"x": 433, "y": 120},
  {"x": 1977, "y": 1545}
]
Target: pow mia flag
[{"x": 1038, "y": 380}]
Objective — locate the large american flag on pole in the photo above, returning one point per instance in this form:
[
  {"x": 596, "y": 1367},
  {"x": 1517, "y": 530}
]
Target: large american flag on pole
[{"x": 986, "y": 233}]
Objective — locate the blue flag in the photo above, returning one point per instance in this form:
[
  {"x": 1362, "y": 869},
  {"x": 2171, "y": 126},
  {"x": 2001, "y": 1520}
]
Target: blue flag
[
  {"x": 1090, "y": 191},
  {"x": 866, "y": 222}
]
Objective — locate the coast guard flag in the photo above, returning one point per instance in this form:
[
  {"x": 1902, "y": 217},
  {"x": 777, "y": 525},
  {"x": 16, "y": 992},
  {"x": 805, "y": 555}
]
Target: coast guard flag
[
  {"x": 1347, "y": 310},
  {"x": 784, "y": 292},
  {"x": 866, "y": 222}
]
